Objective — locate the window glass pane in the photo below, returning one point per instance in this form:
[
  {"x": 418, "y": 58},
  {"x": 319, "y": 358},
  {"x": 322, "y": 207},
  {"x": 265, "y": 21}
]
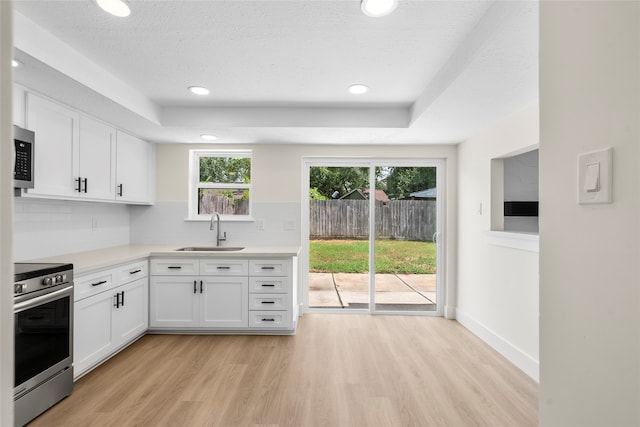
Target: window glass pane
[
  {"x": 227, "y": 201},
  {"x": 226, "y": 170}
]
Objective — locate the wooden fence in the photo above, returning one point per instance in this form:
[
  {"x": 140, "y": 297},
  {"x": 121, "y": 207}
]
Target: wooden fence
[{"x": 395, "y": 219}]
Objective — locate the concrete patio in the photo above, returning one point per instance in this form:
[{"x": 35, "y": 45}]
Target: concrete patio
[{"x": 393, "y": 291}]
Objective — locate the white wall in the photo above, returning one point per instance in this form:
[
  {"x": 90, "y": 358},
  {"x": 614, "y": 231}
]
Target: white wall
[
  {"x": 497, "y": 286},
  {"x": 44, "y": 228},
  {"x": 6, "y": 198},
  {"x": 589, "y": 254},
  {"x": 277, "y": 192}
]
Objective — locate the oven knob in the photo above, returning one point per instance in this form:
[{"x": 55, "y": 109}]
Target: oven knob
[
  {"x": 59, "y": 278},
  {"x": 47, "y": 281},
  {"x": 18, "y": 288}
]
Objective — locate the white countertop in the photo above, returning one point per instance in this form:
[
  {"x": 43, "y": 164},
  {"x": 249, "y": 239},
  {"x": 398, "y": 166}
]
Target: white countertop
[{"x": 102, "y": 258}]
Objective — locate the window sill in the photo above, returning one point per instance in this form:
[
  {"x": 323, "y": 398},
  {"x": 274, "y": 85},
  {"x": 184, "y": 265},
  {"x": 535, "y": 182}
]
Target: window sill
[
  {"x": 516, "y": 240},
  {"x": 222, "y": 219}
]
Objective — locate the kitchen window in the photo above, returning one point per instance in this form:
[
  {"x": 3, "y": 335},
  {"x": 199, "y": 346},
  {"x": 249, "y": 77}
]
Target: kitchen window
[{"x": 220, "y": 182}]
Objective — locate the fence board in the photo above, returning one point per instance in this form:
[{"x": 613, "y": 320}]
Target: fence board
[{"x": 395, "y": 219}]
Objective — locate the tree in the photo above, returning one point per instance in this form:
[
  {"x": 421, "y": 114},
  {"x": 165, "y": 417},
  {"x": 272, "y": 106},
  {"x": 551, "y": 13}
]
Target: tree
[
  {"x": 402, "y": 181},
  {"x": 327, "y": 180},
  {"x": 225, "y": 169}
]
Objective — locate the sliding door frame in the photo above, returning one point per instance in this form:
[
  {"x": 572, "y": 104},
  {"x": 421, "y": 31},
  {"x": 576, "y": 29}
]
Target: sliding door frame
[{"x": 372, "y": 163}]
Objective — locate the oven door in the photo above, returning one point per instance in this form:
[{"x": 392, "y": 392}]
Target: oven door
[{"x": 43, "y": 337}]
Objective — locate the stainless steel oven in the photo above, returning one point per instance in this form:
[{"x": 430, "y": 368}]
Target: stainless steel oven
[{"x": 43, "y": 325}]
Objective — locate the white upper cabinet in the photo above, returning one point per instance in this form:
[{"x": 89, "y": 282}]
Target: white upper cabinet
[
  {"x": 97, "y": 168},
  {"x": 56, "y": 146},
  {"x": 80, "y": 157},
  {"x": 133, "y": 169}
]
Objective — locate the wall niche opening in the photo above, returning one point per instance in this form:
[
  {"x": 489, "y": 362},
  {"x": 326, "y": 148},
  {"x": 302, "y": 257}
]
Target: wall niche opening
[{"x": 514, "y": 192}]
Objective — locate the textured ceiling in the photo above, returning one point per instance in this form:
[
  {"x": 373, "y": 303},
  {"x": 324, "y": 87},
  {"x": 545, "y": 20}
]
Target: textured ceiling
[{"x": 278, "y": 70}]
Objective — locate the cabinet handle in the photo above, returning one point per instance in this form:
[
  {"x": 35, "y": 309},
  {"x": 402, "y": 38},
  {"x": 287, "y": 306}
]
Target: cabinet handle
[
  {"x": 85, "y": 184},
  {"x": 268, "y": 268},
  {"x": 135, "y": 271},
  {"x": 174, "y": 267},
  {"x": 99, "y": 283},
  {"x": 200, "y": 286},
  {"x": 120, "y": 190},
  {"x": 194, "y": 287},
  {"x": 117, "y": 297},
  {"x": 78, "y": 184},
  {"x": 268, "y": 285},
  {"x": 122, "y": 301},
  {"x": 268, "y": 302},
  {"x": 266, "y": 319},
  {"x": 223, "y": 267}
]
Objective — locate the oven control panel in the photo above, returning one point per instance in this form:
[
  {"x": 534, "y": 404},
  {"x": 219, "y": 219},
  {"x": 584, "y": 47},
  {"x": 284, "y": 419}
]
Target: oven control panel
[{"x": 43, "y": 282}]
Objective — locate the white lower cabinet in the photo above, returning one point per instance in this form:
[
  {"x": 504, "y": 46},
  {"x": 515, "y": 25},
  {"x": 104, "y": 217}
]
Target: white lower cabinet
[
  {"x": 108, "y": 315},
  {"x": 224, "y": 295},
  {"x": 195, "y": 302}
]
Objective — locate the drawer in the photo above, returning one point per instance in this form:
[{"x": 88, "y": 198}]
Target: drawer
[
  {"x": 269, "y": 302},
  {"x": 270, "y": 319},
  {"x": 175, "y": 267},
  {"x": 276, "y": 285},
  {"x": 224, "y": 267},
  {"x": 93, "y": 283},
  {"x": 269, "y": 267},
  {"x": 133, "y": 271}
]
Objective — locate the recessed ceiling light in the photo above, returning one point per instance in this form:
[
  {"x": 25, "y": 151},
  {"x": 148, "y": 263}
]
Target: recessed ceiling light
[
  {"x": 115, "y": 7},
  {"x": 378, "y": 8},
  {"x": 15, "y": 63},
  {"x": 208, "y": 137},
  {"x": 198, "y": 90},
  {"x": 358, "y": 89}
]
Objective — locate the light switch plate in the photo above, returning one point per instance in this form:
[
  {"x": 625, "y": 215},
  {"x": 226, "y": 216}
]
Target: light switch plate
[{"x": 595, "y": 173}]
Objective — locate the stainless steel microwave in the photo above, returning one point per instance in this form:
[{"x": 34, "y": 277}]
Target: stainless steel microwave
[{"x": 24, "y": 158}]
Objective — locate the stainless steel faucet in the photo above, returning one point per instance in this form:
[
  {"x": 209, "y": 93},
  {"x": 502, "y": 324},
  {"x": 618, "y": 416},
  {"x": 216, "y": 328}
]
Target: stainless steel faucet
[{"x": 219, "y": 239}]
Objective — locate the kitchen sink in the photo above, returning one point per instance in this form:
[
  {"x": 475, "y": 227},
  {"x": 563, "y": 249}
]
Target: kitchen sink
[{"x": 210, "y": 249}]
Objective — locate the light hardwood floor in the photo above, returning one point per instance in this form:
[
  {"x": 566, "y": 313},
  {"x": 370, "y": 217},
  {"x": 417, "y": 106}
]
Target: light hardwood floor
[{"x": 339, "y": 370}]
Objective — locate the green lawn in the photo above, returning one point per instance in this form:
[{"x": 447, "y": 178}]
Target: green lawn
[{"x": 352, "y": 256}]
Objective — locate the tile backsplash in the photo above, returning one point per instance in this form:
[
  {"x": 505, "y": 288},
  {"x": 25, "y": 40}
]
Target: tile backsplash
[{"x": 45, "y": 228}]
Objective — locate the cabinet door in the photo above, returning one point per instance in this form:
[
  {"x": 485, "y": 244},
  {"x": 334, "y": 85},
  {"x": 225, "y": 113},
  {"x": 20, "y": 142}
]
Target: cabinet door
[
  {"x": 97, "y": 159},
  {"x": 224, "y": 302},
  {"x": 132, "y": 169},
  {"x": 173, "y": 301},
  {"x": 92, "y": 333},
  {"x": 56, "y": 147},
  {"x": 131, "y": 317}
]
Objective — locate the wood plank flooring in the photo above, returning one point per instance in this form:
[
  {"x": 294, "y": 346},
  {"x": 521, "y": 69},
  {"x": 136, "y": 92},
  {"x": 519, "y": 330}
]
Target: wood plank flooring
[{"x": 339, "y": 370}]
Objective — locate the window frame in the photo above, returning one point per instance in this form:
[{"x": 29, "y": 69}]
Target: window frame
[{"x": 195, "y": 185}]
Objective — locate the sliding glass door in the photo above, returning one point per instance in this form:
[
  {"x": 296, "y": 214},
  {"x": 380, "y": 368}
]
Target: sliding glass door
[{"x": 374, "y": 235}]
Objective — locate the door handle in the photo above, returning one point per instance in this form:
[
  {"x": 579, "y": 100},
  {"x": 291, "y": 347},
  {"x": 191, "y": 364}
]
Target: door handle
[
  {"x": 120, "y": 190},
  {"x": 86, "y": 180},
  {"x": 122, "y": 301},
  {"x": 200, "y": 286},
  {"x": 117, "y": 297},
  {"x": 194, "y": 286},
  {"x": 78, "y": 184}
]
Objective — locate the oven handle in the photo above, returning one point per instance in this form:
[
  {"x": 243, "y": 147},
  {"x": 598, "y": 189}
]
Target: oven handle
[{"x": 24, "y": 305}]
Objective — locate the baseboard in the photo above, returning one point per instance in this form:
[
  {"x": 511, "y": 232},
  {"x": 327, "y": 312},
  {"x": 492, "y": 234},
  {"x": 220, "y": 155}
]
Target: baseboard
[
  {"x": 449, "y": 312},
  {"x": 523, "y": 361}
]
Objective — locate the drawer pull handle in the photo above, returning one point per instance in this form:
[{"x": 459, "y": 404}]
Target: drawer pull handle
[
  {"x": 135, "y": 271},
  {"x": 99, "y": 283},
  {"x": 268, "y": 285},
  {"x": 268, "y": 268},
  {"x": 268, "y": 302},
  {"x": 174, "y": 267},
  {"x": 194, "y": 287},
  {"x": 223, "y": 267},
  {"x": 264, "y": 319}
]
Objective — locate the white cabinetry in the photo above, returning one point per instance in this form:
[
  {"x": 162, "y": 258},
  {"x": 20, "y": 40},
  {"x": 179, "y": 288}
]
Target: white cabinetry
[
  {"x": 270, "y": 294},
  {"x": 80, "y": 157},
  {"x": 110, "y": 312},
  {"x": 211, "y": 293},
  {"x": 199, "y": 293},
  {"x": 133, "y": 169},
  {"x": 97, "y": 167},
  {"x": 56, "y": 146}
]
